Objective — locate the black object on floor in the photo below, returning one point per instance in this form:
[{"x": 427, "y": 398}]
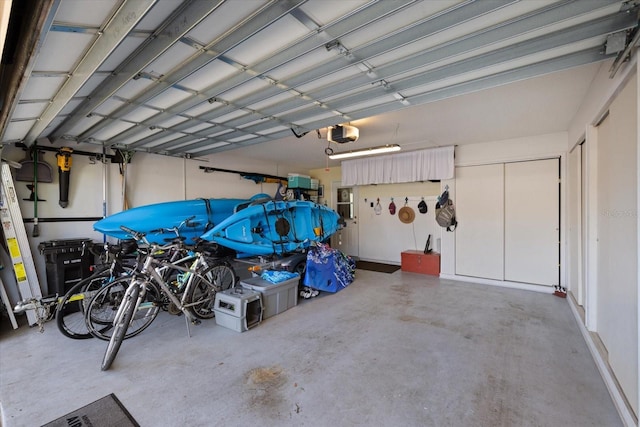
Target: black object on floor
[
  {"x": 377, "y": 266},
  {"x": 104, "y": 412}
]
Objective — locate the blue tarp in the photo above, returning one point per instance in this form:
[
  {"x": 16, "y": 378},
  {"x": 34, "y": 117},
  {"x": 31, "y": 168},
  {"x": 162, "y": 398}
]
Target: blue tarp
[
  {"x": 278, "y": 276},
  {"x": 328, "y": 269}
]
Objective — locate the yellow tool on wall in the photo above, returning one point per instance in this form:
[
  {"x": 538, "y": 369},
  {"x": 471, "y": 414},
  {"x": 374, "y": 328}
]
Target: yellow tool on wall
[{"x": 64, "y": 171}]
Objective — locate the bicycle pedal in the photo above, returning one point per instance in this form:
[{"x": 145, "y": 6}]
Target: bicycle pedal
[
  {"x": 196, "y": 321},
  {"x": 24, "y": 306}
]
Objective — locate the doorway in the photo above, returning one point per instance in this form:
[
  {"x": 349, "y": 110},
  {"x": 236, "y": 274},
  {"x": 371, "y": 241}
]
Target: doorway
[{"x": 345, "y": 203}]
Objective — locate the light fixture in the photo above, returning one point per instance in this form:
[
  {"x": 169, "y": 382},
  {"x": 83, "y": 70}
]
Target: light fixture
[{"x": 366, "y": 152}]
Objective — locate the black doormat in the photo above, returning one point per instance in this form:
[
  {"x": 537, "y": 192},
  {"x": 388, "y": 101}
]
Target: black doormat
[
  {"x": 377, "y": 266},
  {"x": 104, "y": 412}
]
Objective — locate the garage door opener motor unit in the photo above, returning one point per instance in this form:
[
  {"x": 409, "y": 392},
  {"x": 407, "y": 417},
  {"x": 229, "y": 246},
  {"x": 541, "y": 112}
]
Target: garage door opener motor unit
[{"x": 343, "y": 134}]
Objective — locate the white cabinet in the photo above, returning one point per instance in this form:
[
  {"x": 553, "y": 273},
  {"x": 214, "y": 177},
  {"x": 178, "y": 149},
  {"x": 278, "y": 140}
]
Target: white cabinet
[
  {"x": 508, "y": 217},
  {"x": 531, "y": 222},
  {"x": 479, "y": 204}
]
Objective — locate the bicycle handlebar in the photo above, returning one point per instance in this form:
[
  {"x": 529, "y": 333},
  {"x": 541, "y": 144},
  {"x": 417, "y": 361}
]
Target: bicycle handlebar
[
  {"x": 176, "y": 229},
  {"x": 154, "y": 246},
  {"x": 135, "y": 234}
]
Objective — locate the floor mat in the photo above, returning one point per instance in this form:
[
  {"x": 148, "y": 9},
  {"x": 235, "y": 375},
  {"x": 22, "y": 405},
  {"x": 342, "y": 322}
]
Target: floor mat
[
  {"x": 104, "y": 412},
  {"x": 377, "y": 266}
]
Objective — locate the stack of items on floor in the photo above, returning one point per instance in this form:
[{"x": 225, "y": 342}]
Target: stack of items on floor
[
  {"x": 257, "y": 298},
  {"x": 327, "y": 270}
]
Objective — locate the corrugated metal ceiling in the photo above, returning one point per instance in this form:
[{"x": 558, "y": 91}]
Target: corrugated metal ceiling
[{"x": 197, "y": 77}]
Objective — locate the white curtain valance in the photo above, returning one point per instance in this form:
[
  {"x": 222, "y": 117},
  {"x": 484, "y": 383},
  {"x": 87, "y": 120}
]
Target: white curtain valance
[{"x": 413, "y": 166}]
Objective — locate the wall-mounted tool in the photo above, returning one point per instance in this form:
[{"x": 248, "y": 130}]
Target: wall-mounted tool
[
  {"x": 27, "y": 168},
  {"x": 37, "y": 171},
  {"x": 64, "y": 171}
]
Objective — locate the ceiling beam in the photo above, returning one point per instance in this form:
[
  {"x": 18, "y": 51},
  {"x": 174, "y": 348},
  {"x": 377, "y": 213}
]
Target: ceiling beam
[
  {"x": 373, "y": 12},
  {"x": 451, "y": 17},
  {"x": 243, "y": 31},
  {"x": 505, "y": 30},
  {"x": 108, "y": 38},
  {"x": 189, "y": 14},
  {"x": 545, "y": 67},
  {"x": 33, "y": 30}
]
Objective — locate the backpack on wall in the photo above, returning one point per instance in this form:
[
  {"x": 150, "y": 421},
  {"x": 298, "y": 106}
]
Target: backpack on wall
[{"x": 445, "y": 212}]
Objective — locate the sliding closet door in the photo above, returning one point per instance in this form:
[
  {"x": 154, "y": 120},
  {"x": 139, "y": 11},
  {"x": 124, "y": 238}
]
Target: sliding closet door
[
  {"x": 531, "y": 225},
  {"x": 617, "y": 201},
  {"x": 480, "y": 212}
]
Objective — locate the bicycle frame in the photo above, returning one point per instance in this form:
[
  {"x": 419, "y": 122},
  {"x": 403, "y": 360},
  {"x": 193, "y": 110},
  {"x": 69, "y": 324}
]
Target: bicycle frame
[
  {"x": 152, "y": 269},
  {"x": 48, "y": 307}
]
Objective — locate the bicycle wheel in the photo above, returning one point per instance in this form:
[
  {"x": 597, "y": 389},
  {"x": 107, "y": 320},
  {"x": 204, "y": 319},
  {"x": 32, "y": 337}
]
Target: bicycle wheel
[
  {"x": 202, "y": 294},
  {"x": 120, "y": 327},
  {"x": 104, "y": 306},
  {"x": 71, "y": 309}
]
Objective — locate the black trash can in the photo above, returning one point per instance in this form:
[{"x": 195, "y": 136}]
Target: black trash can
[{"x": 67, "y": 261}]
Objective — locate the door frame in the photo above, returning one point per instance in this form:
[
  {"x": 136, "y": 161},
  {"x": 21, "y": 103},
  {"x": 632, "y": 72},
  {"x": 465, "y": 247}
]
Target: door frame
[{"x": 350, "y": 232}]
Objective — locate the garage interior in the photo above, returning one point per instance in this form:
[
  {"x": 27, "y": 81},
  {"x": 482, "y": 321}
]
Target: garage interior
[{"x": 531, "y": 317}]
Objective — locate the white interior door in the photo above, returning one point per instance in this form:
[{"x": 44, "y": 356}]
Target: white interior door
[
  {"x": 532, "y": 213},
  {"x": 346, "y": 239},
  {"x": 479, "y": 207}
]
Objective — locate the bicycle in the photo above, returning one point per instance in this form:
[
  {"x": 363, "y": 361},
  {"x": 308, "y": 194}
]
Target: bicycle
[
  {"x": 194, "y": 298},
  {"x": 101, "y": 311},
  {"x": 69, "y": 309},
  {"x": 72, "y": 307}
]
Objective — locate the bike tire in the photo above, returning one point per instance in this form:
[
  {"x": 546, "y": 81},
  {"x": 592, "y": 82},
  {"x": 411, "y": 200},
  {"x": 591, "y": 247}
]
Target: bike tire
[
  {"x": 120, "y": 327},
  {"x": 202, "y": 294},
  {"x": 71, "y": 309},
  {"x": 104, "y": 306}
]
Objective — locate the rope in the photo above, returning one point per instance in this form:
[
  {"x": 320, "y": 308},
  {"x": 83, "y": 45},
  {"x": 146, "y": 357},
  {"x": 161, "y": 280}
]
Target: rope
[
  {"x": 207, "y": 205},
  {"x": 295, "y": 235},
  {"x": 266, "y": 218}
]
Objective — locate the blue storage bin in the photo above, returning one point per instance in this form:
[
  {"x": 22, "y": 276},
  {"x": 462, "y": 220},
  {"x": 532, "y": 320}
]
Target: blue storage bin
[{"x": 298, "y": 181}]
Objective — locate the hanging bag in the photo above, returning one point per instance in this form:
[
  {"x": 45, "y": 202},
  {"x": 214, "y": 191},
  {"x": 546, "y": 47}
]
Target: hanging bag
[{"x": 445, "y": 212}]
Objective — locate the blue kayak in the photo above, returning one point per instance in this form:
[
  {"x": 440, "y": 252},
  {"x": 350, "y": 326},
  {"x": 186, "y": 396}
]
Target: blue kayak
[
  {"x": 275, "y": 227},
  {"x": 191, "y": 217}
]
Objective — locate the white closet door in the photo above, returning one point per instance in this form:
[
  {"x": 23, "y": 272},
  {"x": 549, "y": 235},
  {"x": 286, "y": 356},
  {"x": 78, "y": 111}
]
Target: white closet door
[
  {"x": 532, "y": 222},
  {"x": 479, "y": 204}
]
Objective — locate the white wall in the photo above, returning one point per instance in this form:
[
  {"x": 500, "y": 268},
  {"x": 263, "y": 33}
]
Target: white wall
[
  {"x": 384, "y": 237},
  {"x": 607, "y": 244},
  {"x": 151, "y": 179},
  {"x": 574, "y": 225},
  {"x": 602, "y": 90},
  {"x": 520, "y": 149},
  {"x": 617, "y": 289}
]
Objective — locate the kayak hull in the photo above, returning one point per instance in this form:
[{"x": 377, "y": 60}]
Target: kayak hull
[
  {"x": 192, "y": 217},
  {"x": 275, "y": 227}
]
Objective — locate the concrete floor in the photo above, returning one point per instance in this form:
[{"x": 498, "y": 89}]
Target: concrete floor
[{"x": 397, "y": 349}]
